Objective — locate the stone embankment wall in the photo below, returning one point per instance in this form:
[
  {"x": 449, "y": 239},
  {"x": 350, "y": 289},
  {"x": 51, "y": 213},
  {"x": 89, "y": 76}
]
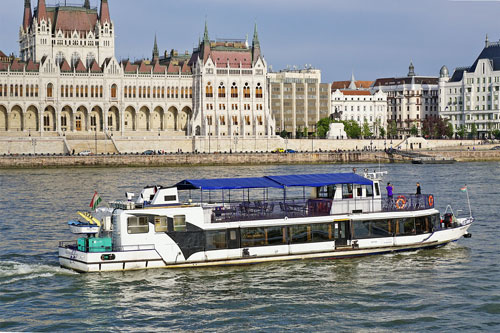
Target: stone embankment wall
[{"x": 225, "y": 159}]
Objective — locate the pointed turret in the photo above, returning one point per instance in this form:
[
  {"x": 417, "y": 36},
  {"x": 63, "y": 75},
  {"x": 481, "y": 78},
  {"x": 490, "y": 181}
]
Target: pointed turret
[
  {"x": 105, "y": 17},
  {"x": 86, "y": 4},
  {"x": 352, "y": 85},
  {"x": 205, "y": 34},
  {"x": 41, "y": 11},
  {"x": 27, "y": 15},
  {"x": 156, "y": 54},
  {"x": 255, "y": 45},
  {"x": 486, "y": 42},
  {"x": 205, "y": 46}
]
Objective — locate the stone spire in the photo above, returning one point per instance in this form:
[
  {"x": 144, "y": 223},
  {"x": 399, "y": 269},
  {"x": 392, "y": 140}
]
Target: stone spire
[
  {"x": 411, "y": 69},
  {"x": 27, "y": 15},
  {"x": 41, "y": 11},
  {"x": 105, "y": 17},
  {"x": 156, "y": 54},
  {"x": 205, "y": 47},
  {"x": 86, "y": 4},
  {"x": 255, "y": 45},
  {"x": 352, "y": 85},
  {"x": 486, "y": 42}
]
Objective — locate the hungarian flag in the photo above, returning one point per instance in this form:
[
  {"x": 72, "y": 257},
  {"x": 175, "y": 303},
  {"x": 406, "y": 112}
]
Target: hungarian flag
[
  {"x": 96, "y": 200},
  {"x": 464, "y": 189}
]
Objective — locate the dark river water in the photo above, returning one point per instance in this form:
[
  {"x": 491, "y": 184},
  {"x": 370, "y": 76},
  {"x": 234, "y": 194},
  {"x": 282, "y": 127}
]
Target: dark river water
[{"x": 456, "y": 287}]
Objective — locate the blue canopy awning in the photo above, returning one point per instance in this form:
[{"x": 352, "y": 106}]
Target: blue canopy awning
[
  {"x": 316, "y": 180},
  {"x": 312, "y": 180},
  {"x": 227, "y": 183}
]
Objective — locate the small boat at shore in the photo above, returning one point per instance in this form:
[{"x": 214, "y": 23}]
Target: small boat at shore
[
  {"x": 241, "y": 221},
  {"x": 433, "y": 160}
]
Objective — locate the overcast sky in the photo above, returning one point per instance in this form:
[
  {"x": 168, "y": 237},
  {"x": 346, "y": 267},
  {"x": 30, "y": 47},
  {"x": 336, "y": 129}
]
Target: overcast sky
[{"x": 372, "y": 38}]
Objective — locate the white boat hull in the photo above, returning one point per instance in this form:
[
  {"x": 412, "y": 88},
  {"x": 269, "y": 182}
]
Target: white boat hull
[{"x": 151, "y": 258}]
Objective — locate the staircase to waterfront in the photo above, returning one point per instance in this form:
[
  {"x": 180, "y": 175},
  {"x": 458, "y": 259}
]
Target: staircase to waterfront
[{"x": 97, "y": 144}]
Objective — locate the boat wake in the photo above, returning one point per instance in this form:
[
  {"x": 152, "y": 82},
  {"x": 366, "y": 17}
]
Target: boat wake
[{"x": 12, "y": 271}]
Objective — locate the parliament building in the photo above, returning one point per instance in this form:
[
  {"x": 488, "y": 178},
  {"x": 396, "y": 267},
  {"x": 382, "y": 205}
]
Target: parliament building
[{"x": 67, "y": 80}]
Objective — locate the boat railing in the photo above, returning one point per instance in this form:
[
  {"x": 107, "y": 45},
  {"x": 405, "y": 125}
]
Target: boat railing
[
  {"x": 278, "y": 209},
  {"x": 69, "y": 244},
  {"x": 407, "y": 202},
  {"x": 128, "y": 248}
]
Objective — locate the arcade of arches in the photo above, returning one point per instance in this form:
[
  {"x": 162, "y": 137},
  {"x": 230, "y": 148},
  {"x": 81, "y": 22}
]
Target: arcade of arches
[{"x": 84, "y": 119}]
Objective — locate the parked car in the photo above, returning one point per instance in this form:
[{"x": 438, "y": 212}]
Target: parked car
[
  {"x": 291, "y": 151},
  {"x": 85, "y": 153},
  {"x": 278, "y": 150},
  {"x": 148, "y": 152},
  {"x": 496, "y": 148}
]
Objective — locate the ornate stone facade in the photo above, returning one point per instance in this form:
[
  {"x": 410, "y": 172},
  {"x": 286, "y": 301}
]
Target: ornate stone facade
[{"x": 68, "y": 80}]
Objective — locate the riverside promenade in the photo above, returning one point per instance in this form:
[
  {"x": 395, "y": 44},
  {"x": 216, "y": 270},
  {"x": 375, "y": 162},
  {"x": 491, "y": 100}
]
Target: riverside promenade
[{"x": 188, "y": 159}]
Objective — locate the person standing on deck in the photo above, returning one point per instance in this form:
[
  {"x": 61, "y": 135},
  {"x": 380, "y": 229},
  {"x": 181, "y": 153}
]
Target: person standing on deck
[
  {"x": 389, "y": 189},
  {"x": 419, "y": 191}
]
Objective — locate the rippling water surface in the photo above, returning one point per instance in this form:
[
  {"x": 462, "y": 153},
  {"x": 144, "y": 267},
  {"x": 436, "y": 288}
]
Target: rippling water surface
[{"x": 451, "y": 288}]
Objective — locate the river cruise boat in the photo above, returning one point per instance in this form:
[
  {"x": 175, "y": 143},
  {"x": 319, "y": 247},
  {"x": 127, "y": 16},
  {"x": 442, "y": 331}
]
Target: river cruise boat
[{"x": 240, "y": 221}]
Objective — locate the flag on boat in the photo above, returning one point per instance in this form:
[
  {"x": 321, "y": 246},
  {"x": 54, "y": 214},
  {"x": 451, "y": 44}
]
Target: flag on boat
[
  {"x": 464, "y": 189},
  {"x": 96, "y": 200}
]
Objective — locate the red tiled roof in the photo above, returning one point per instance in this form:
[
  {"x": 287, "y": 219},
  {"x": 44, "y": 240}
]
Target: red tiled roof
[
  {"x": 4, "y": 66},
  {"x": 234, "y": 58},
  {"x": 355, "y": 92},
  {"x": 344, "y": 84},
  {"x": 65, "y": 66},
  {"x": 71, "y": 20},
  {"x": 41, "y": 10},
  {"x": 27, "y": 18},
  {"x": 105, "y": 17},
  {"x": 129, "y": 67},
  {"x": 2, "y": 55},
  {"x": 32, "y": 67},
  {"x": 80, "y": 67},
  {"x": 159, "y": 69},
  {"x": 94, "y": 68},
  {"x": 144, "y": 68},
  {"x": 17, "y": 65}
]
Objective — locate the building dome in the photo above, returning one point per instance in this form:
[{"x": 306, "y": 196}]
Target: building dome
[{"x": 444, "y": 72}]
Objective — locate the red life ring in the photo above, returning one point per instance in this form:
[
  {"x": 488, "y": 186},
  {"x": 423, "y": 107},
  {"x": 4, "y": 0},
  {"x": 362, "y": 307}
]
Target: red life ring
[
  {"x": 401, "y": 202},
  {"x": 431, "y": 201}
]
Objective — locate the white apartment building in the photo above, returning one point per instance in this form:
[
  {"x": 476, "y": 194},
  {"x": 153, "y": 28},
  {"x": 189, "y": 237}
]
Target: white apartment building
[
  {"x": 357, "y": 102},
  {"x": 410, "y": 99},
  {"x": 471, "y": 95}
]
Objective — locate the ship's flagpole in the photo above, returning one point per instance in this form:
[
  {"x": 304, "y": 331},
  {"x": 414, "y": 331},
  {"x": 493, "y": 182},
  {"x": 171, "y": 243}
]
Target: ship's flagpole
[{"x": 466, "y": 190}]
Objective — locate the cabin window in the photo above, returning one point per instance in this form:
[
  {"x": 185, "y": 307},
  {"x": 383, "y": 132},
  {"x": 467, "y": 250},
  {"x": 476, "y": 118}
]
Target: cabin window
[
  {"x": 321, "y": 232},
  {"x": 327, "y": 192},
  {"x": 436, "y": 221},
  {"x": 369, "y": 191},
  {"x": 160, "y": 224},
  {"x": 404, "y": 227},
  {"x": 216, "y": 240},
  {"x": 170, "y": 198},
  {"x": 180, "y": 223},
  {"x": 137, "y": 225},
  {"x": 275, "y": 236},
  {"x": 359, "y": 192},
  {"x": 423, "y": 224},
  {"x": 253, "y": 237},
  {"x": 377, "y": 189},
  {"x": 372, "y": 229},
  {"x": 299, "y": 234},
  {"x": 347, "y": 191}
]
